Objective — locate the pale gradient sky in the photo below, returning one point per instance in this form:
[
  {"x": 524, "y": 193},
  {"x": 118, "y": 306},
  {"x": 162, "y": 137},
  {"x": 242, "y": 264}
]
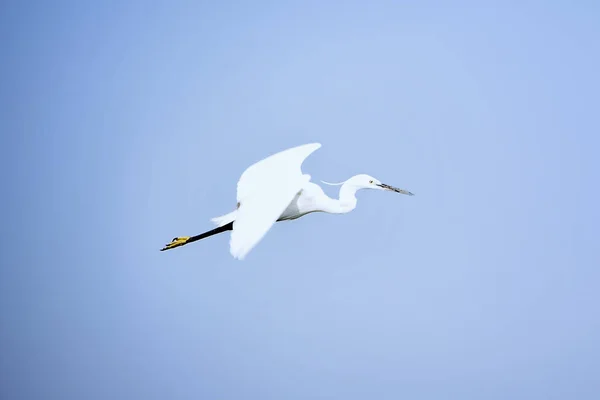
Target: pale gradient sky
[{"x": 127, "y": 123}]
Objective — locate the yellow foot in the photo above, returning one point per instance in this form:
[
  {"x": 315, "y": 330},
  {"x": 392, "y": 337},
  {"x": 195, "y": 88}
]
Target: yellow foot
[{"x": 176, "y": 242}]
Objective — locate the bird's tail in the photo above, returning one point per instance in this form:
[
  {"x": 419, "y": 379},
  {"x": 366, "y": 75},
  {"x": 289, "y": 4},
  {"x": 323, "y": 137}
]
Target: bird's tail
[{"x": 224, "y": 219}]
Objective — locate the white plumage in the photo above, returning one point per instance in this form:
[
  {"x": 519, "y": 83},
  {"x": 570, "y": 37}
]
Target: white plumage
[
  {"x": 264, "y": 191},
  {"x": 275, "y": 189}
]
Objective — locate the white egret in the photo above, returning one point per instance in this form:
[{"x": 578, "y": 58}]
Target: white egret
[{"x": 275, "y": 189}]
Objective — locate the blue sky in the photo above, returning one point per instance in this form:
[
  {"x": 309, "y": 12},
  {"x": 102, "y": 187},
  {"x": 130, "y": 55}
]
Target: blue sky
[{"x": 125, "y": 124}]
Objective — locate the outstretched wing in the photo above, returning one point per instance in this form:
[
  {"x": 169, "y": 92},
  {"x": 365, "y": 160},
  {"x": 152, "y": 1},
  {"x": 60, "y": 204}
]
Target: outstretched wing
[{"x": 264, "y": 191}]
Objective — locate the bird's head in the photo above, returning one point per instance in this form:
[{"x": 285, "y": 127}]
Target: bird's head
[{"x": 364, "y": 181}]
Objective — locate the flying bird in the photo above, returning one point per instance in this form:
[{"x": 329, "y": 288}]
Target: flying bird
[{"x": 275, "y": 189}]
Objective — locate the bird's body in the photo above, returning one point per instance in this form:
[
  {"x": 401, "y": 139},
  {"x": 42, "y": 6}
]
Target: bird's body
[
  {"x": 274, "y": 189},
  {"x": 310, "y": 198}
]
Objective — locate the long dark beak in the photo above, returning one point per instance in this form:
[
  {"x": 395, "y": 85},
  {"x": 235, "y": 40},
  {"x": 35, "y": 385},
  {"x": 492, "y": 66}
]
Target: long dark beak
[{"x": 394, "y": 189}]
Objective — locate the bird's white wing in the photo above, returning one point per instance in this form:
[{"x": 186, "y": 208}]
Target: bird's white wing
[{"x": 264, "y": 191}]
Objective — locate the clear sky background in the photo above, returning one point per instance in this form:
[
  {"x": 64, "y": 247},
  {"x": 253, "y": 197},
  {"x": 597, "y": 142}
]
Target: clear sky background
[{"x": 124, "y": 124}]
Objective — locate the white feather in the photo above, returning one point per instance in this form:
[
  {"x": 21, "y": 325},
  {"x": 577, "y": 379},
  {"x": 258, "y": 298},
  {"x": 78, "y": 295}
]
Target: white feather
[
  {"x": 333, "y": 184},
  {"x": 224, "y": 219},
  {"x": 264, "y": 191}
]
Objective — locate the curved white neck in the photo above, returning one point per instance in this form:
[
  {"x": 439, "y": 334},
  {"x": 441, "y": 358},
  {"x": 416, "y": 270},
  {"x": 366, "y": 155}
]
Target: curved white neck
[{"x": 346, "y": 201}]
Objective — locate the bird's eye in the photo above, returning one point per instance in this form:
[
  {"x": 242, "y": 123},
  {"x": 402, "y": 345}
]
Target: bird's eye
[{"x": 371, "y": 181}]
